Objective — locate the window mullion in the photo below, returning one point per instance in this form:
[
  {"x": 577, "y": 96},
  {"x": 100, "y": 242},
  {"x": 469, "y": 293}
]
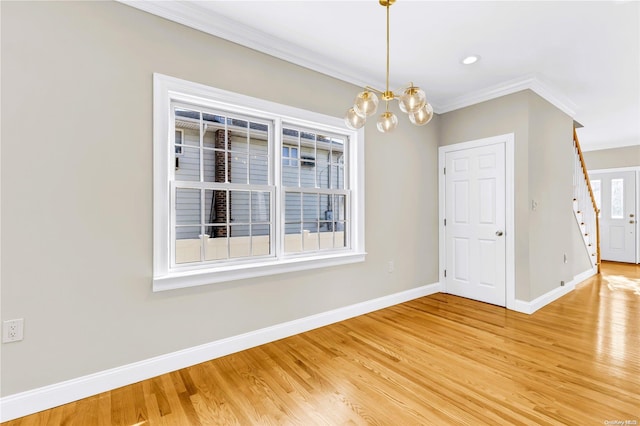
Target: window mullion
[
  {"x": 299, "y": 167},
  {"x": 278, "y": 196},
  {"x": 203, "y": 240},
  {"x": 315, "y": 159},
  {"x": 226, "y": 152},
  {"x": 248, "y": 143}
]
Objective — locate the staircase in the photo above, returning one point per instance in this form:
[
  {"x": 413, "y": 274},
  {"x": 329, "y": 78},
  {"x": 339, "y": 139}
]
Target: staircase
[{"x": 585, "y": 208}]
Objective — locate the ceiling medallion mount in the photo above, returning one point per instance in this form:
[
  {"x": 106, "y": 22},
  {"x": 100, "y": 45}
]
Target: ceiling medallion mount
[{"x": 412, "y": 101}]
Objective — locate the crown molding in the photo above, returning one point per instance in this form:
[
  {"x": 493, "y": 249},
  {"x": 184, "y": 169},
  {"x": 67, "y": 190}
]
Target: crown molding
[
  {"x": 531, "y": 82},
  {"x": 191, "y": 14}
]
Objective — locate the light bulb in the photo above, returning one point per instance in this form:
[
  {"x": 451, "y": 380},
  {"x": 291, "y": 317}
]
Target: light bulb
[
  {"x": 366, "y": 103},
  {"x": 422, "y": 116},
  {"x": 412, "y": 99},
  {"x": 387, "y": 122},
  {"x": 353, "y": 120}
]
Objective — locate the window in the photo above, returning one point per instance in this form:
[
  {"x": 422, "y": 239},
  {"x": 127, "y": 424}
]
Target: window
[
  {"x": 617, "y": 198},
  {"x": 261, "y": 188},
  {"x": 290, "y": 156}
]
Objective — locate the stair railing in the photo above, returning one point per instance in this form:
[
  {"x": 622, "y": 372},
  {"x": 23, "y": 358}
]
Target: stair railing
[{"x": 587, "y": 208}]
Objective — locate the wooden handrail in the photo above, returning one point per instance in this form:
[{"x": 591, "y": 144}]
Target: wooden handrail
[{"x": 593, "y": 197}]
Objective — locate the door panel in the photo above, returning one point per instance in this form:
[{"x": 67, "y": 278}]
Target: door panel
[
  {"x": 618, "y": 215},
  {"x": 474, "y": 231}
]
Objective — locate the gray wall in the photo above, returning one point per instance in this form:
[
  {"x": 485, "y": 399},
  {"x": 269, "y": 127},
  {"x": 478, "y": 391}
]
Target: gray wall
[
  {"x": 552, "y": 224},
  {"x": 543, "y": 172},
  {"x": 77, "y": 193},
  {"x": 628, "y": 156}
]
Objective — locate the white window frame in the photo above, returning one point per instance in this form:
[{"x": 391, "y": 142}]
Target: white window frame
[{"x": 166, "y": 276}]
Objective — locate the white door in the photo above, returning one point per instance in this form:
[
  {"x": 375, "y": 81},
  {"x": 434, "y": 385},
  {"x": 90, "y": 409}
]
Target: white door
[
  {"x": 616, "y": 194},
  {"x": 475, "y": 223}
]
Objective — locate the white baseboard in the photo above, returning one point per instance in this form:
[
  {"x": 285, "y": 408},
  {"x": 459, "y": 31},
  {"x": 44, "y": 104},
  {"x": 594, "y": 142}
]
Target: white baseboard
[
  {"x": 555, "y": 294},
  {"x": 29, "y": 402}
]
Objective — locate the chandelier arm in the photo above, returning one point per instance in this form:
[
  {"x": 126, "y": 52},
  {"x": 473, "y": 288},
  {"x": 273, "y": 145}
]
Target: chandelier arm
[{"x": 373, "y": 89}]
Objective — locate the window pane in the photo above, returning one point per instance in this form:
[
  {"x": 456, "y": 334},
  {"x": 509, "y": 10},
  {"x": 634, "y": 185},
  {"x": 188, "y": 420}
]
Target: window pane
[
  {"x": 188, "y": 121},
  {"x": 259, "y": 169},
  {"x": 260, "y": 240},
  {"x": 209, "y": 138},
  {"x": 308, "y": 169},
  {"x": 258, "y": 141},
  {"x": 212, "y": 128},
  {"x": 340, "y": 240},
  {"x": 239, "y": 125},
  {"x": 293, "y": 222},
  {"x": 240, "y": 242},
  {"x": 617, "y": 198},
  {"x": 323, "y": 171},
  {"x": 208, "y": 158},
  {"x": 215, "y": 208},
  {"x": 290, "y": 134},
  {"x": 239, "y": 206},
  {"x": 260, "y": 205},
  {"x": 339, "y": 207},
  {"x": 239, "y": 168},
  {"x": 239, "y": 135},
  {"x": 188, "y": 244},
  {"x": 239, "y": 142},
  {"x": 187, "y": 206},
  {"x": 290, "y": 173},
  {"x": 311, "y": 204},
  {"x": 337, "y": 177},
  {"x": 311, "y": 237},
  {"x": 326, "y": 217},
  {"x": 188, "y": 165},
  {"x": 216, "y": 248},
  {"x": 293, "y": 239},
  {"x": 337, "y": 145},
  {"x": 292, "y": 207},
  {"x": 326, "y": 240}
]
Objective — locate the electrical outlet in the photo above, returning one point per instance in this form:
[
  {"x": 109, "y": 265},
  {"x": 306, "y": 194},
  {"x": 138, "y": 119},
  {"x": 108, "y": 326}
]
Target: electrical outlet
[
  {"x": 12, "y": 330},
  {"x": 391, "y": 266}
]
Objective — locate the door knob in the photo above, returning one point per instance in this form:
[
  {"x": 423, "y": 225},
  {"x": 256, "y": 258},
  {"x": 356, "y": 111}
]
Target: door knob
[
  {"x": 632, "y": 221},
  {"x": 499, "y": 233}
]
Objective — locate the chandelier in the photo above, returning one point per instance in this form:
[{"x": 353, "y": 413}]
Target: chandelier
[{"x": 412, "y": 101}]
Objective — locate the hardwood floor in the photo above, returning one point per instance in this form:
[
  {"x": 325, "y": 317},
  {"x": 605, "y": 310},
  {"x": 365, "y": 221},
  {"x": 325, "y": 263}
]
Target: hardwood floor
[{"x": 436, "y": 360}]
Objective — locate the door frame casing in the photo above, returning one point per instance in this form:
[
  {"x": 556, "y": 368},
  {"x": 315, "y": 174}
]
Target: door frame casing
[
  {"x": 635, "y": 169},
  {"x": 508, "y": 140}
]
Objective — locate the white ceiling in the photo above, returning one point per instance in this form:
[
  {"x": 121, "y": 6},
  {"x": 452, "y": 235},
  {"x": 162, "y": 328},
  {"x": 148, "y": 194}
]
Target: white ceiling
[{"x": 583, "y": 56}]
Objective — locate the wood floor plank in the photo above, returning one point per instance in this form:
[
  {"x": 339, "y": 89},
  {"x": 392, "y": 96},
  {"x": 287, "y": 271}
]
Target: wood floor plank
[{"x": 439, "y": 359}]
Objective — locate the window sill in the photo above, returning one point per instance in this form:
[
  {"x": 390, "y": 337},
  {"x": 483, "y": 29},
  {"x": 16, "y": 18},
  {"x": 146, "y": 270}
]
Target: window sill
[{"x": 192, "y": 278}]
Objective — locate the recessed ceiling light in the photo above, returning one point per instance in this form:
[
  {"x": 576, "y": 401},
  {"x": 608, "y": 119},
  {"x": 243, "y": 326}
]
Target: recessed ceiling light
[{"x": 471, "y": 59}]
